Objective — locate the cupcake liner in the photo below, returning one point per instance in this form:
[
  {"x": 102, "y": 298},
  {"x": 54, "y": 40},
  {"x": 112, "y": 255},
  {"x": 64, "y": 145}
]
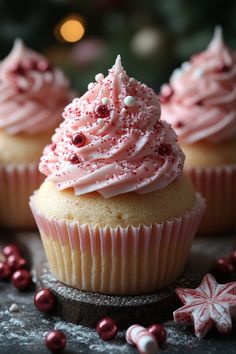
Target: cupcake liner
[
  {"x": 218, "y": 186},
  {"x": 119, "y": 260},
  {"x": 17, "y": 183}
]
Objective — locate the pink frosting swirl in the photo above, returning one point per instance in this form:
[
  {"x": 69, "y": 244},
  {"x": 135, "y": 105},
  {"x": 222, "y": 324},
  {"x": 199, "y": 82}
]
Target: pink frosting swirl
[
  {"x": 200, "y": 101},
  {"x": 32, "y": 95},
  {"x": 112, "y": 140}
]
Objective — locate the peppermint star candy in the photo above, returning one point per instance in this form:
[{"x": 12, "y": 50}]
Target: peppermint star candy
[{"x": 211, "y": 304}]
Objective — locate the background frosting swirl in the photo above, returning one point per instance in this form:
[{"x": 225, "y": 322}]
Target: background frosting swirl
[
  {"x": 32, "y": 95},
  {"x": 200, "y": 101},
  {"x": 128, "y": 149}
]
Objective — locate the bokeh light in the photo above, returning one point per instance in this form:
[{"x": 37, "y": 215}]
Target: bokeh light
[{"x": 71, "y": 29}]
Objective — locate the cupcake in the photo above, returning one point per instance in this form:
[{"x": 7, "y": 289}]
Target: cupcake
[
  {"x": 32, "y": 98},
  {"x": 200, "y": 104},
  {"x": 115, "y": 213}
]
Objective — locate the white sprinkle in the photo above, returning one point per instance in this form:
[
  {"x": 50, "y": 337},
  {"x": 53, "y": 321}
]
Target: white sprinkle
[
  {"x": 94, "y": 166},
  {"x": 198, "y": 73},
  {"x": 90, "y": 85},
  {"x": 176, "y": 73},
  {"x": 105, "y": 100},
  {"x": 130, "y": 101},
  {"x": 186, "y": 65},
  {"x": 83, "y": 116},
  {"x": 99, "y": 120},
  {"x": 166, "y": 90},
  {"x": 99, "y": 77},
  {"x": 14, "y": 308},
  {"x": 123, "y": 110}
]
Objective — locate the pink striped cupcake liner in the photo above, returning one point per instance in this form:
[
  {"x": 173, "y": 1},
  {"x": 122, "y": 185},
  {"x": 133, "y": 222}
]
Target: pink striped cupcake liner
[
  {"x": 130, "y": 260},
  {"x": 17, "y": 183},
  {"x": 218, "y": 186}
]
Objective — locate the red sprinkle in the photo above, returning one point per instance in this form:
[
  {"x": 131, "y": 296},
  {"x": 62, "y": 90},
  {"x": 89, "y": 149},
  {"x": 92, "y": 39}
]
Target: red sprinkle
[
  {"x": 199, "y": 103},
  {"x": 102, "y": 111},
  {"x": 78, "y": 139},
  {"x": 19, "y": 90},
  {"x": 164, "y": 149},
  {"x": 74, "y": 159},
  {"x": 179, "y": 124},
  {"x": 53, "y": 146},
  {"x": 18, "y": 69}
]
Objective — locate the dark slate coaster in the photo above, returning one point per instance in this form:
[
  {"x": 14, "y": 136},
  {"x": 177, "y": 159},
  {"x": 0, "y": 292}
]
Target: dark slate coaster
[{"x": 88, "y": 308}]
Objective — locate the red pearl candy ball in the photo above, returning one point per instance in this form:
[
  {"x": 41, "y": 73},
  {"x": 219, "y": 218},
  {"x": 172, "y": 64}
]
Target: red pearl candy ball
[
  {"x": 159, "y": 332},
  {"x": 78, "y": 139},
  {"x": 223, "y": 68},
  {"x": 18, "y": 69},
  {"x": 233, "y": 258},
  {"x": 5, "y": 271},
  {"x": 15, "y": 262},
  {"x": 74, "y": 159},
  {"x": 166, "y": 94},
  {"x": 55, "y": 341},
  {"x": 43, "y": 65},
  {"x": 22, "y": 279},
  {"x": 29, "y": 64},
  {"x": 11, "y": 250},
  {"x": 45, "y": 300},
  {"x": 107, "y": 328},
  {"x": 102, "y": 111},
  {"x": 223, "y": 267}
]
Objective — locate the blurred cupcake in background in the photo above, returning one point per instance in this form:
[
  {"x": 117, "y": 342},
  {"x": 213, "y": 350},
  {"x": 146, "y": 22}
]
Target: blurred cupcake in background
[
  {"x": 115, "y": 214},
  {"x": 32, "y": 97},
  {"x": 200, "y": 104}
]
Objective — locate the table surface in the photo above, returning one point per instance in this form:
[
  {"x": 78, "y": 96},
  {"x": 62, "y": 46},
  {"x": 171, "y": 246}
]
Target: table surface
[{"x": 24, "y": 331}]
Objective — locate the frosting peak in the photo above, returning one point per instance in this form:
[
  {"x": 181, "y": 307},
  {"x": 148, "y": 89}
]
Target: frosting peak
[
  {"x": 32, "y": 94},
  {"x": 112, "y": 140},
  {"x": 217, "y": 40},
  {"x": 118, "y": 65},
  {"x": 200, "y": 101}
]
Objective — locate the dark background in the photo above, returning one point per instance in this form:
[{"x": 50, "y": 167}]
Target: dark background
[{"x": 153, "y": 36}]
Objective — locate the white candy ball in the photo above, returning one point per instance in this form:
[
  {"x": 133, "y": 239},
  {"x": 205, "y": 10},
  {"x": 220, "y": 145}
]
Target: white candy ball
[
  {"x": 90, "y": 85},
  {"x": 105, "y": 100},
  {"x": 130, "y": 101},
  {"x": 99, "y": 77}
]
